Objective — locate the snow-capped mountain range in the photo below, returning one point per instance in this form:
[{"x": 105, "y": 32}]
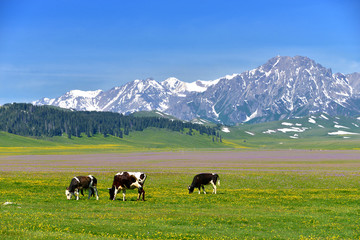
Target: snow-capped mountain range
[{"x": 282, "y": 88}]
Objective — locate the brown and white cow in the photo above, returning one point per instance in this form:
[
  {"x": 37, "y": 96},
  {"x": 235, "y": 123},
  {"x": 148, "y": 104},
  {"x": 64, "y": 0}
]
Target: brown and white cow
[
  {"x": 80, "y": 183},
  {"x": 128, "y": 180},
  {"x": 202, "y": 179}
]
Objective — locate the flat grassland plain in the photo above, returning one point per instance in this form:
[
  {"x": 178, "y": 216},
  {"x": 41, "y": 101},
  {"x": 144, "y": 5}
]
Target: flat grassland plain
[{"x": 296, "y": 194}]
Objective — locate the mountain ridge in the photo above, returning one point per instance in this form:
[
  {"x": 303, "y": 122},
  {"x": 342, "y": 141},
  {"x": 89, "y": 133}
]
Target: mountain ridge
[{"x": 282, "y": 88}]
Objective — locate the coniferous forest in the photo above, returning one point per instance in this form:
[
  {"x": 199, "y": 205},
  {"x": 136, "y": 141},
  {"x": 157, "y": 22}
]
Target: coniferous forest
[{"x": 47, "y": 121}]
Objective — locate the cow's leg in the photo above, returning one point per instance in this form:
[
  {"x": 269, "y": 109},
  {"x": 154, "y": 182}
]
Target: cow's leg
[
  {"x": 77, "y": 194},
  {"x": 199, "y": 190},
  {"x": 96, "y": 193},
  {"x": 124, "y": 193},
  {"x": 115, "y": 192},
  {"x": 203, "y": 187},
  {"x": 214, "y": 186},
  {"x": 141, "y": 192},
  {"x": 90, "y": 192}
]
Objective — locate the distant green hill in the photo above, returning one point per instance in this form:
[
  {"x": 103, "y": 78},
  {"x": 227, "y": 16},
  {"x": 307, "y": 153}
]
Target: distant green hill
[
  {"x": 12, "y": 140},
  {"x": 151, "y": 139},
  {"x": 314, "y": 132}
]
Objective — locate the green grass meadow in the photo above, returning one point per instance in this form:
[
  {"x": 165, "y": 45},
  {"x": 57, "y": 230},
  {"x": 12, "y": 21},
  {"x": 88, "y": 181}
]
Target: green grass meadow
[
  {"x": 148, "y": 140},
  {"x": 164, "y": 140},
  {"x": 277, "y": 198},
  {"x": 323, "y": 203}
]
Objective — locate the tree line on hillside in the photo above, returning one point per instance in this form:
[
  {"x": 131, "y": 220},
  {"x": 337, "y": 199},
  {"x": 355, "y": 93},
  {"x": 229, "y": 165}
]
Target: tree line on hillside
[{"x": 29, "y": 120}]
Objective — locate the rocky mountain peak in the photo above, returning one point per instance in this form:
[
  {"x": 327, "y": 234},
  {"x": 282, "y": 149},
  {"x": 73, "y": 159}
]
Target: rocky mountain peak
[
  {"x": 174, "y": 85},
  {"x": 284, "y": 87}
]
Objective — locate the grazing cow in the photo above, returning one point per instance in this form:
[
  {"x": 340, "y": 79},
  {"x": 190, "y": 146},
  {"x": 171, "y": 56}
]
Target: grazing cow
[
  {"x": 128, "y": 180},
  {"x": 80, "y": 183},
  {"x": 204, "y": 179}
]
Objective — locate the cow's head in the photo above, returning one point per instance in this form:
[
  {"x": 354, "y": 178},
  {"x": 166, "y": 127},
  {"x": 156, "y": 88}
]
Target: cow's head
[
  {"x": 112, "y": 192},
  {"x": 191, "y": 189},
  {"x": 68, "y": 194}
]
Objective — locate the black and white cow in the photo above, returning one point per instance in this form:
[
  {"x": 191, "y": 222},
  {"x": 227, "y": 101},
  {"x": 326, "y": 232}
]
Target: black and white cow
[
  {"x": 82, "y": 182},
  {"x": 128, "y": 180},
  {"x": 204, "y": 179}
]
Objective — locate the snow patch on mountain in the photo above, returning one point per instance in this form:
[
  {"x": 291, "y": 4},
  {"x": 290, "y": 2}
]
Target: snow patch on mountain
[
  {"x": 324, "y": 117},
  {"x": 225, "y": 129},
  {"x": 342, "y": 133},
  {"x": 200, "y": 86},
  {"x": 339, "y": 126},
  {"x": 85, "y": 94},
  {"x": 252, "y": 116},
  {"x": 292, "y": 129},
  {"x": 174, "y": 85},
  {"x": 295, "y": 136},
  {"x": 269, "y": 131},
  {"x": 250, "y": 133},
  {"x": 311, "y": 120}
]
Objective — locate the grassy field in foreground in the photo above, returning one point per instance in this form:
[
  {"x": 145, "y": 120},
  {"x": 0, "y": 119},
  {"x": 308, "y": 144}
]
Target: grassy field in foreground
[{"x": 321, "y": 204}]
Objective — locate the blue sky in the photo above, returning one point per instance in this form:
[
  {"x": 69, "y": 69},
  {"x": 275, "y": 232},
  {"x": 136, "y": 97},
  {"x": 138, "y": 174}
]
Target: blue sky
[{"x": 48, "y": 47}]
